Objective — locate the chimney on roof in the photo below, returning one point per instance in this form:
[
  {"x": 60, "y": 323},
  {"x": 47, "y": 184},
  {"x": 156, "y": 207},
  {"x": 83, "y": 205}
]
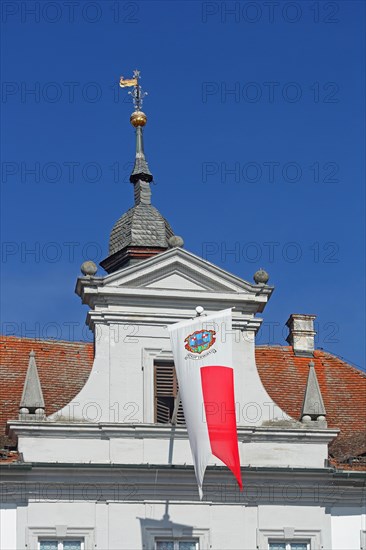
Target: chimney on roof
[
  {"x": 32, "y": 403},
  {"x": 301, "y": 334}
]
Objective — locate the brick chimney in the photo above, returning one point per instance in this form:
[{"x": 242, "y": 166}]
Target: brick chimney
[{"x": 301, "y": 334}]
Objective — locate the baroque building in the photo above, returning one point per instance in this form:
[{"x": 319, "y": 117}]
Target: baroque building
[{"x": 96, "y": 454}]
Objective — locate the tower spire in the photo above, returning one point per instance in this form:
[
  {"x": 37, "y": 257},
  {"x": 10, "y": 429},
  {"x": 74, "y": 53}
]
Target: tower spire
[
  {"x": 138, "y": 120},
  {"x": 142, "y": 231}
]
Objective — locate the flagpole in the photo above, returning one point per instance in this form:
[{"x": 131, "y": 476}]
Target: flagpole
[{"x": 199, "y": 312}]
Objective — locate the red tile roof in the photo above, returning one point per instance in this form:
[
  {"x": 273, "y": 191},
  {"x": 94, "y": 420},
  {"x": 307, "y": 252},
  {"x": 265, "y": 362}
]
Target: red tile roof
[
  {"x": 343, "y": 389},
  {"x": 64, "y": 367}
]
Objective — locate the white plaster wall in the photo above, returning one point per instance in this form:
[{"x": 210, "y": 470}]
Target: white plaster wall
[
  {"x": 49, "y": 515},
  {"x": 292, "y": 515},
  {"x": 311, "y": 520},
  {"x": 71, "y": 514},
  {"x": 122, "y": 525},
  {"x": 347, "y": 524},
  {"x": 253, "y": 404},
  {"x": 8, "y": 527},
  {"x": 158, "y": 451},
  {"x": 227, "y": 524},
  {"x": 70, "y": 449},
  {"x": 223, "y": 525},
  {"x": 293, "y": 454},
  {"x": 115, "y": 389},
  {"x": 92, "y": 402}
]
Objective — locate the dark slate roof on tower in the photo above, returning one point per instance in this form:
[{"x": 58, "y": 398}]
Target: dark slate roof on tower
[{"x": 141, "y": 225}]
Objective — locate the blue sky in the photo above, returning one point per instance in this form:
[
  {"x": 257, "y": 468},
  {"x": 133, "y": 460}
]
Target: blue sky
[{"x": 255, "y": 137}]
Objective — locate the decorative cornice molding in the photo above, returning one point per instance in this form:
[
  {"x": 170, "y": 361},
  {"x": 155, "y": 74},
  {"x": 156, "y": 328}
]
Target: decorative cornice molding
[
  {"x": 161, "y": 319},
  {"x": 155, "y": 431}
]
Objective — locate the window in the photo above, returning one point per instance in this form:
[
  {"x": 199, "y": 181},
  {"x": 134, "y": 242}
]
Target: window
[
  {"x": 289, "y": 538},
  {"x": 60, "y": 537},
  {"x": 178, "y": 537},
  {"x": 282, "y": 545},
  {"x": 166, "y": 395},
  {"x": 59, "y": 544},
  {"x": 176, "y": 544}
]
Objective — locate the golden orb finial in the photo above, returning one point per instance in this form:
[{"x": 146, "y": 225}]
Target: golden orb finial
[{"x": 138, "y": 118}]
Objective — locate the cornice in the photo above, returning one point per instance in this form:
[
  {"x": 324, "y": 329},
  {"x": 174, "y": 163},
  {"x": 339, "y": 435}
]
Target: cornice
[
  {"x": 150, "y": 483},
  {"x": 84, "y": 430},
  {"x": 160, "y": 319}
]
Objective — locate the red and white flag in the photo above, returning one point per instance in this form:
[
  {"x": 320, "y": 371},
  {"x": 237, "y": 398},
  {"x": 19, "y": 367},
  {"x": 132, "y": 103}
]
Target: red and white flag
[{"x": 202, "y": 350}]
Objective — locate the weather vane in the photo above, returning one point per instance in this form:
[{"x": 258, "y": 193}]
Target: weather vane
[{"x": 137, "y": 93}]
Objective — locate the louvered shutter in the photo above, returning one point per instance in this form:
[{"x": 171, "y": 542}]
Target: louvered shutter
[{"x": 166, "y": 390}]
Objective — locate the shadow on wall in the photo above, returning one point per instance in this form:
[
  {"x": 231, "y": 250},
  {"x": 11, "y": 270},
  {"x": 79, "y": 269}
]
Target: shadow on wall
[{"x": 161, "y": 533}]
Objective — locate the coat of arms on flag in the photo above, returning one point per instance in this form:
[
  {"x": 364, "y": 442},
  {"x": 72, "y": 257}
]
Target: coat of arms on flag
[
  {"x": 206, "y": 388},
  {"x": 200, "y": 341}
]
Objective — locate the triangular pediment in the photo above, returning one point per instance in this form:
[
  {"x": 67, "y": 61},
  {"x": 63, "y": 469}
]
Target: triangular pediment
[
  {"x": 176, "y": 281},
  {"x": 180, "y": 270}
]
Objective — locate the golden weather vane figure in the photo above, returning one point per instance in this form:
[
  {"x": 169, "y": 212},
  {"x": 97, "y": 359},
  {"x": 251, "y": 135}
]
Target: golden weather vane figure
[{"x": 137, "y": 93}]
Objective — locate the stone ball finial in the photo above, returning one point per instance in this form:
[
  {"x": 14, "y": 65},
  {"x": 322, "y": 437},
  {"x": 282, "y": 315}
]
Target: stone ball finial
[
  {"x": 88, "y": 268},
  {"x": 32, "y": 353},
  {"x": 261, "y": 277},
  {"x": 175, "y": 241},
  {"x": 138, "y": 118}
]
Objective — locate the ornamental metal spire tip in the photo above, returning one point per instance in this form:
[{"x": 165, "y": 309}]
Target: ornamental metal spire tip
[
  {"x": 138, "y": 120},
  {"x": 137, "y": 93}
]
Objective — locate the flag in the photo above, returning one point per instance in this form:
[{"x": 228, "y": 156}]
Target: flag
[
  {"x": 127, "y": 82},
  {"x": 202, "y": 350}
]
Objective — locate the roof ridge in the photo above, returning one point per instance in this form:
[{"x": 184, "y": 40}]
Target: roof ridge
[
  {"x": 340, "y": 358},
  {"x": 354, "y": 366},
  {"x": 272, "y": 346}
]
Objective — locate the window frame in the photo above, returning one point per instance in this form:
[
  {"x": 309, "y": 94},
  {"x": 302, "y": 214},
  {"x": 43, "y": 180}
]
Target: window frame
[
  {"x": 60, "y": 541},
  {"x": 176, "y": 541},
  {"x": 289, "y": 542},
  {"x": 152, "y": 534},
  {"x": 288, "y": 535},
  {"x": 149, "y": 357},
  {"x": 35, "y": 534}
]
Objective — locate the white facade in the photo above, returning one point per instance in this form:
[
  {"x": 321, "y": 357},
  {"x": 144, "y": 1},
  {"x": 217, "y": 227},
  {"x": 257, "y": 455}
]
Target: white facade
[{"x": 102, "y": 474}]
